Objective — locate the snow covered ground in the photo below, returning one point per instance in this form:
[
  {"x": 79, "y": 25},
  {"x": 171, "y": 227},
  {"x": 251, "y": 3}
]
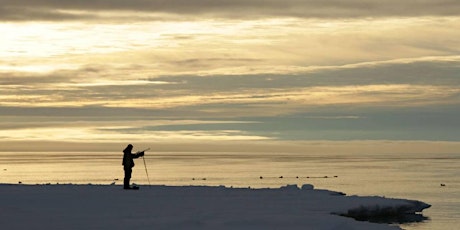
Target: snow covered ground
[{"x": 190, "y": 207}]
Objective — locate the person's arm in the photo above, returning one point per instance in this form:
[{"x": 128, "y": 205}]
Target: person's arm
[{"x": 137, "y": 155}]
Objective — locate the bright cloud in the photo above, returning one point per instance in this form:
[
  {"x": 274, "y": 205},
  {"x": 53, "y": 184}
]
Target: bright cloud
[{"x": 115, "y": 131}]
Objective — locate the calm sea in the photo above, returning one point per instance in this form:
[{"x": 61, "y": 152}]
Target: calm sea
[{"x": 410, "y": 176}]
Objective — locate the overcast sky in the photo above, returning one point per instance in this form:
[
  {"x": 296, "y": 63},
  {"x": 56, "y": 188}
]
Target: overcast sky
[{"x": 181, "y": 71}]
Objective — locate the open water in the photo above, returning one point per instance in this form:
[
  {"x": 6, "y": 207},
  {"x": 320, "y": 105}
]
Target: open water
[{"x": 431, "y": 178}]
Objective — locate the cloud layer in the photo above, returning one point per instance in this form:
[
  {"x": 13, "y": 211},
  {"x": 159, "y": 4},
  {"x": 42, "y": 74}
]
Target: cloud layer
[
  {"x": 393, "y": 101},
  {"x": 89, "y": 9},
  {"x": 253, "y": 70}
]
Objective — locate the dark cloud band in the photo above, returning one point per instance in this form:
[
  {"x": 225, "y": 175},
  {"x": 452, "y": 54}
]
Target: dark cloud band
[{"x": 62, "y": 10}]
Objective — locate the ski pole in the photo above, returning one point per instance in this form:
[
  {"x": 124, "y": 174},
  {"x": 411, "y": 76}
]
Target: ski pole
[
  {"x": 145, "y": 165},
  {"x": 147, "y": 149}
]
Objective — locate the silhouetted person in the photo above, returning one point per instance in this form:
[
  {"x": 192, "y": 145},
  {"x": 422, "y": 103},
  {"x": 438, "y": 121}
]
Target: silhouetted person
[{"x": 128, "y": 164}]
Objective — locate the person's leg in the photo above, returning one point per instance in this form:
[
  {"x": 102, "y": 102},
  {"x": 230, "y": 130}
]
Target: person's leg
[{"x": 127, "y": 178}]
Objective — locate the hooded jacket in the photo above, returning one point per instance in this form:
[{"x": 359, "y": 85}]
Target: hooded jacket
[{"x": 128, "y": 157}]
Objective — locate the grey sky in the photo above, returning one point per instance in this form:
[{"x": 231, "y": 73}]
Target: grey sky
[
  {"x": 254, "y": 70},
  {"x": 65, "y": 10}
]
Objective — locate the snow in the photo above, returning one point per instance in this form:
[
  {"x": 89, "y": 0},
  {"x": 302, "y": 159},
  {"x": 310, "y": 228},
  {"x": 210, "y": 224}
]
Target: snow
[{"x": 190, "y": 207}]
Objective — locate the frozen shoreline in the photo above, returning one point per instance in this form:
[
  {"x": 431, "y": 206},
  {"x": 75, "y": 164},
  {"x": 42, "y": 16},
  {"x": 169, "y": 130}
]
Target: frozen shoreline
[{"x": 193, "y": 207}]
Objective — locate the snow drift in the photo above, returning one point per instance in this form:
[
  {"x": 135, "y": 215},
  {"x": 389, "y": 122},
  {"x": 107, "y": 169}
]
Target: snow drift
[{"x": 193, "y": 207}]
